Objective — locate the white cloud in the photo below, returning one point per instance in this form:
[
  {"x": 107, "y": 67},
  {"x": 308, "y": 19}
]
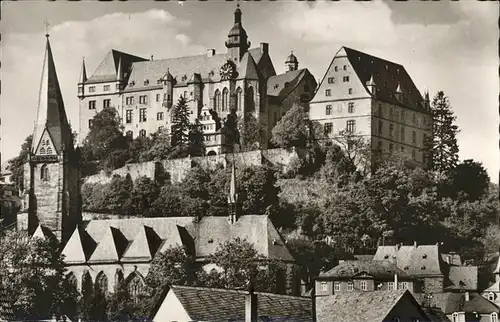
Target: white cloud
[{"x": 184, "y": 39}]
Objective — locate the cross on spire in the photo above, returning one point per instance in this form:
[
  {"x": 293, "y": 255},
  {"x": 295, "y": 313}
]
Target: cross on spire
[{"x": 47, "y": 24}]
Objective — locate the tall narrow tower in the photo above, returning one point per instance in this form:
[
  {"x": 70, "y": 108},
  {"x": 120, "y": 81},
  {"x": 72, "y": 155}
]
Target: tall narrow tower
[
  {"x": 237, "y": 40},
  {"x": 232, "y": 198},
  {"x": 52, "y": 170}
]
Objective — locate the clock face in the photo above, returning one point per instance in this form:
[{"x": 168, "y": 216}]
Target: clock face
[{"x": 227, "y": 71}]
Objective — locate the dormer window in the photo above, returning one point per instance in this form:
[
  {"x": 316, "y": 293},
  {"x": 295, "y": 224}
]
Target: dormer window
[
  {"x": 422, "y": 267},
  {"x": 184, "y": 78},
  {"x": 275, "y": 86},
  {"x": 131, "y": 84},
  {"x": 159, "y": 81},
  {"x": 210, "y": 241},
  {"x": 146, "y": 82},
  {"x": 424, "y": 256},
  {"x": 406, "y": 268},
  {"x": 386, "y": 67},
  {"x": 386, "y": 256}
]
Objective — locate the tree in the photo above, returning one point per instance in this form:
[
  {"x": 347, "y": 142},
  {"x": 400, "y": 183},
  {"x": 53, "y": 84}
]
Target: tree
[
  {"x": 196, "y": 140},
  {"x": 160, "y": 147},
  {"x": 250, "y": 130},
  {"x": 105, "y": 141},
  {"x": 118, "y": 195},
  {"x": 32, "y": 273},
  {"x": 292, "y": 130},
  {"x": 258, "y": 190},
  {"x": 143, "y": 196},
  {"x": 442, "y": 149},
  {"x": 16, "y": 165},
  {"x": 357, "y": 150},
  {"x": 180, "y": 127},
  {"x": 470, "y": 178}
]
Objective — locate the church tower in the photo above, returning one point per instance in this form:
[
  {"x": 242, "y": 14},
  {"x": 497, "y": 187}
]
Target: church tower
[
  {"x": 52, "y": 171},
  {"x": 237, "y": 40}
]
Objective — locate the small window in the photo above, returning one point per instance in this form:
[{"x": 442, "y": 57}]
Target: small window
[
  {"x": 44, "y": 173},
  {"x": 363, "y": 285},
  {"x": 328, "y": 110},
  {"x": 157, "y": 97},
  {"x": 386, "y": 256},
  {"x": 159, "y": 116},
  {"x": 328, "y": 92},
  {"x": 106, "y": 103},
  {"x": 345, "y": 79},
  {"x": 331, "y": 80},
  {"x": 350, "y": 107},
  {"x": 146, "y": 82},
  {"x": 91, "y": 89},
  {"x": 414, "y": 154},
  {"x": 454, "y": 317},
  {"x": 414, "y": 119},
  {"x": 422, "y": 267},
  {"x": 351, "y": 126},
  {"x": 406, "y": 268},
  {"x": 324, "y": 286},
  {"x": 403, "y": 119},
  {"x": 336, "y": 68},
  {"x": 142, "y": 115},
  {"x": 350, "y": 91},
  {"x": 403, "y": 137},
  {"x": 129, "y": 134},
  {"x": 350, "y": 286},
  {"x": 328, "y": 128},
  {"x": 345, "y": 67},
  {"x": 106, "y": 88},
  {"x": 380, "y": 110},
  {"x": 391, "y": 147},
  {"x": 424, "y": 256},
  {"x": 414, "y": 137},
  {"x": 404, "y": 285},
  {"x": 128, "y": 116},
  {"x": 391, "y": 130},
  {"x": 491, "y": 297},
  {"x": 380, "y": 130},
  {"x": 91, "y": 105},
  {"x": 142, "y": 133},
  {"x": 91, "y": 122},
  {"x": 379, "y": 147},
  {"x": 336, "y": 286},
  {"x": 390, "y": 286},
  {"x": 391, "y": 112}
]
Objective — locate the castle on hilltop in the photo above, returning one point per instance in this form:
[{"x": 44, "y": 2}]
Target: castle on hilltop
[{"x": 243, "y": 79}]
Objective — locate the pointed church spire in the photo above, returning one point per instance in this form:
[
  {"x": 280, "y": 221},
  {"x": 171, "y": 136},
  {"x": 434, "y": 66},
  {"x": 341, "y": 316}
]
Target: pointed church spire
[
  {"x": 83, "y": 74},
  {"x": 51, "y": 116}
]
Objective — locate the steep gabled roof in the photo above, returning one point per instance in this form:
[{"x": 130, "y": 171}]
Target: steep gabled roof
[
  {"x": 359, "y": 306},
  {"x": 143, "y": 246},
  {"x": 111, "y": 246},
  {"x": 108, "y": 68},
  {"x": 248, "y": 68},
  {"x": 51, "y": 115},
  {"x": 79, "y": 247},
  {"x": 209, "y": 304},
  {"x": 282, "y": 85},
  {"x": 414, "y": 260},
  {"x": 387, "y": 75}
]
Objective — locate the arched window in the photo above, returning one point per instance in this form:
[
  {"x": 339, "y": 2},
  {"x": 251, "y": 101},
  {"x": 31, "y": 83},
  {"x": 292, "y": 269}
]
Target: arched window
[
  {"x": 101, "y": 283},
  {"x": 494, "y": 317},
  {"x": 44, "y": 173},
  {"x": 249, "y": 101},
  {"x": 42, "y": 150},
  {"x": 135, "y": 286},
  {"x": 239, "y": 98},
  {"x": 130, "y": 134},
  {"x": 225, "y": 99},
  {"x": 217, "y": 101},
  {"x": 454, "y": 317},
  {"x": 49, "y": 150},
  {"x": 87, "y": 285},
  {"x": 71, "y": 278},
  {"x": 118, "y": 278}
]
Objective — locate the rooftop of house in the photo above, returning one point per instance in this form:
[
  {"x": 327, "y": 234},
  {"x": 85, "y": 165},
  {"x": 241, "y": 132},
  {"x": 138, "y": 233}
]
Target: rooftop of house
[
  {"x": 376, "y": 268},
  {"x": 451, "y": 302},
  {"x": 139, "y": 239},
  {"x": 280, "y": 86},
  {"x": 210, "y": 304},
  {"x": 359, "y": 306},
  {"x": 415, "y": 260}
]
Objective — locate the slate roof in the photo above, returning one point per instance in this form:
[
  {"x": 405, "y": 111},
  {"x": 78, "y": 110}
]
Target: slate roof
[
  {"x": 376, "y": 268},
  {"x": 387, "y": 75},
  {"x": 108, "y": 68},
  {"x": 138, "y": 239},
  {"x": 463, "y": 278},
  {"x": 421, "y": 260},
  {"x": 455, "y": 302},
  {"x": 51, "y": 115},
  {"x": 282, "y": 85},
  {"x": 359, "y": 306},
  {"x": 435, "y": 314},
  {"x": 209, "y": 304}
]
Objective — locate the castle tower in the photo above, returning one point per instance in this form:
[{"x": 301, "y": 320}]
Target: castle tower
[
  {"x": 237, "y": 40},
  {"x": 232, "y": 198},
  {"x": 52, "y": 171},
  {"x": 291, "y": 63}
]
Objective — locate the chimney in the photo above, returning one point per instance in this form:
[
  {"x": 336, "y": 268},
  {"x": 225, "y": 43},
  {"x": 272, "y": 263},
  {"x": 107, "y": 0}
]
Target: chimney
[
  {"x": 415, "y": 244},
  {"x": 152, "y": 57},
  {"x": 251, "y": 314},
  {"x": 467, "y": 297},
  {"x": 210, "y": 52},
  {"x": 264, "y": 47},
  {"x": 395, "y": 281}
]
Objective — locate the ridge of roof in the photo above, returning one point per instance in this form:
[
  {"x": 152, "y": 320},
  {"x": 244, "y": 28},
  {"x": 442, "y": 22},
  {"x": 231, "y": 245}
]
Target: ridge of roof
[{"x": 111, "y": 246}]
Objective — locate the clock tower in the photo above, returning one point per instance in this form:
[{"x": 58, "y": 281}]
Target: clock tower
[{"x": 237, "y": 40}]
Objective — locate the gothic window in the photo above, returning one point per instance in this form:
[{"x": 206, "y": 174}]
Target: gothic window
[
  {"x": 118, "y": 278},
  {"x": 44, "y": 173},
  {"x": 87, "y": 285},
  {"x": 101, "y": 283},
  {"x": 42, "y": 150},
  {"x": 135, "y": 286},
  {"x": 239, "y": 97},
  {"x": 71, "y": 278},
  {"x": 225, "y": 100},
  {"x": 49, "y": 150},
  {"x": 217, "y": 101},
  {"x": 142, "y": 133}
]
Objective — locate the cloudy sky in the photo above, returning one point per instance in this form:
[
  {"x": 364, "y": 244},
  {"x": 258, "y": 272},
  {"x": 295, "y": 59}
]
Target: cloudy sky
[{"x": 449, "y": 46}]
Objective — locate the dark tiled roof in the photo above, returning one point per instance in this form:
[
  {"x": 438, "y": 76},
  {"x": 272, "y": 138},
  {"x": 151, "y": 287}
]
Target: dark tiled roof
[
  {"x": 248, "y": 68},
  {"x": 358, "y": 306},
  {"x": 387, "y": 76},
  {"x": 455, "y": 302},
  {"x": 208, "y": 304},
  {"x": 463, "y": 277},
  {"x": 364, "y": 257},
  {"x": 377, "y": 269},
  {"x": 107, "y": 69},
  {"x": 435, "y": 314},
  {"x": 281, "y": 85},
  {"x": 417, "y": 261}
]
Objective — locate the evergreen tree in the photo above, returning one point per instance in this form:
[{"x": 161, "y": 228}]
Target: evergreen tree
[
  {"x": 181, "y": 125},
  {"x": 443, "y": 148},
  {"x": 292, "y": 130},
  {"x": 196, "y": 144},
  {"x": 16, "y": 165}
]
